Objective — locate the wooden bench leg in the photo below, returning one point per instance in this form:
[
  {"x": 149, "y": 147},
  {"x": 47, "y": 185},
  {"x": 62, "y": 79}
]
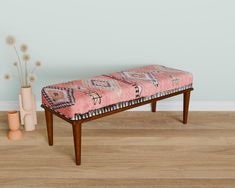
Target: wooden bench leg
[
  {"x": 77, "y": 141},
  {"x": 186, "y": 106},
  {"x": 49, "y": 122},
  {"x": 153, "y": 106}
]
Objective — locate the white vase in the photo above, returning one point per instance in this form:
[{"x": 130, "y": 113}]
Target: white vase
[{"x": 28, "y": 114}]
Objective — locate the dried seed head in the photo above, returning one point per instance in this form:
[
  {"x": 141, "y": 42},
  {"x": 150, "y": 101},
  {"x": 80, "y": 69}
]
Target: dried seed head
[
  {"x": 23, "y": 48},
  {"x": 26, "y": 57},
  {"x": 10, "y": 40},
  {"x": 7, "y": 76},
  {"x": 38, "y": 64},
  {"x": 32, "y": 78}
]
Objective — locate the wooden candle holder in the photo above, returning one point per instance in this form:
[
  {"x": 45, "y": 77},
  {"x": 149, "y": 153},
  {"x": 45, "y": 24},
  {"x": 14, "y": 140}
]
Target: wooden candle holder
[{"x": 14, "y": 126}]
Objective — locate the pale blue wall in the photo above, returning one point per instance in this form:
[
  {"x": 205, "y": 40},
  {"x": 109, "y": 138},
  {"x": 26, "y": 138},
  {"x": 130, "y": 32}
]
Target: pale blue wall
[{"x": 81, "y": 38}]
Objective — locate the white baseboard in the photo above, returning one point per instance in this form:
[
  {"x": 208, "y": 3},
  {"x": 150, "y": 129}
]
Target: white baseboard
[
  {"x": 161, "y": 106},
  {"x": 9, "y": 105}
]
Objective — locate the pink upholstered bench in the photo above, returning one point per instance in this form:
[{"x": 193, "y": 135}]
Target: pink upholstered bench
[{"x": 80, "y": 101}]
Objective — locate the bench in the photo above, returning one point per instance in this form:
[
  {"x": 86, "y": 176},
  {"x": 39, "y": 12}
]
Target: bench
[{"x": 80, "y": 101}]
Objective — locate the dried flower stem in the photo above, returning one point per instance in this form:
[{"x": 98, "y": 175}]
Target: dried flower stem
[
  {"x": 20, "y": 69},
  {"x": 34, "y": 69},
  {"x": 26, "y": 74}
]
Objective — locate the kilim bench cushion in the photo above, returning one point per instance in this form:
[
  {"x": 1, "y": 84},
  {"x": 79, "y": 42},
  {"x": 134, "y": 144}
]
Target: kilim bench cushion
[{"x": 81, "y": 99}]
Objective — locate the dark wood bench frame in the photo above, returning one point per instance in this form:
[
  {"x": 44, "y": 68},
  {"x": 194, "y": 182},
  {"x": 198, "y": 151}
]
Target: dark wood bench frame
[{"x": 77, "y": 124}]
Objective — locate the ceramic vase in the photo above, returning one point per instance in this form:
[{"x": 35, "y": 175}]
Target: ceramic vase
[
  {"x": 28, "y": 116},
  {"x": 14, "y": 126}
]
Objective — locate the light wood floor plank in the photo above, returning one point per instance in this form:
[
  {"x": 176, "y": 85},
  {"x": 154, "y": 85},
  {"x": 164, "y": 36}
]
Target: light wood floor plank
[{"x": 129, "y": 149}]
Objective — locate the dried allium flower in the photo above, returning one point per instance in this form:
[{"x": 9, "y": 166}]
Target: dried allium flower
[
  {"x": 7, "y": 76},
  {"x": 23, "y": 48},
  {"x": 38, "y": 64},
  {"x": 26, "y": 57},
  {"x": 10, "y": 40},
  {"x": 32, "y": 78}
]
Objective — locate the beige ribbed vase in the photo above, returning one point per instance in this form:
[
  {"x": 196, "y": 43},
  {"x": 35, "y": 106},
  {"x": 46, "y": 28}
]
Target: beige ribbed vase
[{"x": 28, "y": 115}]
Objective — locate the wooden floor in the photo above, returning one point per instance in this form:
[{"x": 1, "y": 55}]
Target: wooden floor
[{"x": 130, "y": 149}]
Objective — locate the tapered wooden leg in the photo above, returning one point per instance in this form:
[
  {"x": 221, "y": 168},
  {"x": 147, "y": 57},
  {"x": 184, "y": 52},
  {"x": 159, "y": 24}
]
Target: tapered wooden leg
[
  {"x": 186, "y": 106},
  {"x": 49, "y": 122},
  {"x": 77, "y": 141},
  {"x": 153, "y": 106}
]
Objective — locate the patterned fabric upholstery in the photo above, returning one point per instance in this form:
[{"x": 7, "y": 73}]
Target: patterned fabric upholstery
[{"x": 80, "y": 99}]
